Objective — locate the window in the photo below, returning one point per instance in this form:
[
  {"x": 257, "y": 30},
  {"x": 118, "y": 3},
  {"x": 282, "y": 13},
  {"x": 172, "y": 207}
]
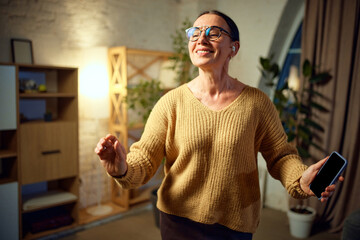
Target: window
[{"x": 293, "y": 58}]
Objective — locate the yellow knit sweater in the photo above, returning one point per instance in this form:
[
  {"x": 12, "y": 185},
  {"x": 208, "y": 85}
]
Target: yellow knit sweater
[{"x": 211, "y": 171}]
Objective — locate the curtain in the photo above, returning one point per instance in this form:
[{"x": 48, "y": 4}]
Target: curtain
[{"x": 331, "y": 42}]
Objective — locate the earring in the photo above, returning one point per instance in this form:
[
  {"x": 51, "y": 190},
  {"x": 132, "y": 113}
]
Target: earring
[{"x": 233, "y": 48}]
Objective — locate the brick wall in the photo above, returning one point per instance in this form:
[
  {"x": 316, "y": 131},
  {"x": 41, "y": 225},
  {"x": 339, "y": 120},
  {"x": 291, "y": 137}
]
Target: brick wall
[
  {"x": 77, "y": 33},
  {"x": 58, "y": 27}
]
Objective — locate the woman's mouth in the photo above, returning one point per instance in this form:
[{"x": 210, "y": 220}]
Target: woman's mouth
[{"x": 203, "y": 51}]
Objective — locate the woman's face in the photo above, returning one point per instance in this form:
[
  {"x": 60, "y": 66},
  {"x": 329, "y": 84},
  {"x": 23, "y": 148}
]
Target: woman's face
[{"x": 207, "y": 54}]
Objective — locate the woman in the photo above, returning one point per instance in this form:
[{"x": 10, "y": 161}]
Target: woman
[{"x": 210, "y": 131}]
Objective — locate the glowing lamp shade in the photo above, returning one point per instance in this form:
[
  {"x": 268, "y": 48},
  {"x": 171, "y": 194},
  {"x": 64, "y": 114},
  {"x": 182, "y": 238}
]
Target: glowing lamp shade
[
  {"x": 293, "y": 80},
  {"x": 94, "y": 83}
]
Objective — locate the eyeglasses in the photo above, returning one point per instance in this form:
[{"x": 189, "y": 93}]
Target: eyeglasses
[{"x": 212, "y": 33}]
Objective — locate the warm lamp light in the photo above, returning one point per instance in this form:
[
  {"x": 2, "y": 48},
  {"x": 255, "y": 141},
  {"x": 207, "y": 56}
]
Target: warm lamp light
[
  {"x": 94, "y": 83},
  {"x": 294, "y": 80}
]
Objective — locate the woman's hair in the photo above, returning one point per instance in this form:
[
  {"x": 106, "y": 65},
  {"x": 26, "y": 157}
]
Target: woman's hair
[{"x": 235, "y": 36}]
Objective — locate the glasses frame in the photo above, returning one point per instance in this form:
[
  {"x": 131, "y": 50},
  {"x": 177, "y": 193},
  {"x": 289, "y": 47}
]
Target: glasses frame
[{"x": 205, "y": 28}]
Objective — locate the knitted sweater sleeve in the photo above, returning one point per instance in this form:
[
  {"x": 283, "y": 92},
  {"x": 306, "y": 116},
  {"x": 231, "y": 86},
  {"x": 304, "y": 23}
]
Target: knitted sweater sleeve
[
  {"x": 283, "y": 161},
  {"x": 145, "y": 156}
]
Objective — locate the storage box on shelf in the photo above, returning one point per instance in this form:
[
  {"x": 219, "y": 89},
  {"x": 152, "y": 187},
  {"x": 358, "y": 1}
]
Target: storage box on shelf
[{"x": 43, "y": 151}]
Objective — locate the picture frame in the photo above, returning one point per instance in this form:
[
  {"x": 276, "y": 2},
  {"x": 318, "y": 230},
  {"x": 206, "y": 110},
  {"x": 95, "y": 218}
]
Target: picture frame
[{"x": 22, "y": 51}]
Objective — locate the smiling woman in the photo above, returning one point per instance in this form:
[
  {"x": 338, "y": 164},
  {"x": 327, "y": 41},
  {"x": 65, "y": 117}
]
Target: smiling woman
[
  {"x": 210, "y": 130},
  {"x": 211, "y": 53}
]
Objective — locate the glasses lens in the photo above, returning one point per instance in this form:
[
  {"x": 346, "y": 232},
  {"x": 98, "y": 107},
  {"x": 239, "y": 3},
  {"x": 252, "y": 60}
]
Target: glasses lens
[
  {"x": 193, "y": 33},
  {"x": 213, "y": 33}
]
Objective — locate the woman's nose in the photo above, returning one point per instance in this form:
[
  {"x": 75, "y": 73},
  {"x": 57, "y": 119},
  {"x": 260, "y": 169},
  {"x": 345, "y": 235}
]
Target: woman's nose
[{"x": 202, "y": 37}]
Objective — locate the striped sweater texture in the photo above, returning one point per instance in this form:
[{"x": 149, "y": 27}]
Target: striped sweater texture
[{"x": 211, "y": 170}]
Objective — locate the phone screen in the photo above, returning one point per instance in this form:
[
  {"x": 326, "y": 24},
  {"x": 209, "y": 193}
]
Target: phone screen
[{"x": 328, "y": 174}]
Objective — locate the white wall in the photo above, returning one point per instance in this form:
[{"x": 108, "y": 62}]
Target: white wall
[
  {"x": 257, "y": 22},
  {"x": 77, "y": 33}
]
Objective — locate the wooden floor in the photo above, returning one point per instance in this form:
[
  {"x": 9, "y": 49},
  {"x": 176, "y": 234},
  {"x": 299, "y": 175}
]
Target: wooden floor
[{"x": 140, "y": 224}]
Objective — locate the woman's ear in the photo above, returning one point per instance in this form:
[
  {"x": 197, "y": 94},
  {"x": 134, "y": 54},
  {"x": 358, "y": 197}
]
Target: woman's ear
[{"x": 235, "y": 48}]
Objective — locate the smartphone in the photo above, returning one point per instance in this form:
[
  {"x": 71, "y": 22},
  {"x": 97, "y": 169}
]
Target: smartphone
[{"x": 328, "y": 174}]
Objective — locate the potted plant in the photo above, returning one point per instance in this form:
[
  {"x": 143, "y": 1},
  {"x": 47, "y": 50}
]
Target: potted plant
[
  {"x": 301, "y": 219},
  {"x": 296, "y": 105},
  {"x": 142, "y": 97},
  {"x": 296, "y": 108}
]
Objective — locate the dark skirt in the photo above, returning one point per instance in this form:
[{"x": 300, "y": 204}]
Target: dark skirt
[{"x": 179, "y": 228}]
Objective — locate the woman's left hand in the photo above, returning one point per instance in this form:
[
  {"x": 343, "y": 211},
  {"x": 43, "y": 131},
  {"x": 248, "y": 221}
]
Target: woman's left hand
[{"x": 309, "y": 175}]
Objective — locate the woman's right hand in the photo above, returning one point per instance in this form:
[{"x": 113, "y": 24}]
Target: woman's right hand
[{"x": 112, "y": 155}]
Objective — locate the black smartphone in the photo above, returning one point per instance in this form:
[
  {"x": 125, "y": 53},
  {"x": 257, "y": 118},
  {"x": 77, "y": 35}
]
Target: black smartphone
[{"x": 328, "y": 174}]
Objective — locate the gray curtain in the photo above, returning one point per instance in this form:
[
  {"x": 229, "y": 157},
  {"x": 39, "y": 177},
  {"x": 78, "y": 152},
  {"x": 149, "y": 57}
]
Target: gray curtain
[{"x": 331, "y": 41}]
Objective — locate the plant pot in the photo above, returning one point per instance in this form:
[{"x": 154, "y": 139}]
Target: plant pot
[
  {"x": 153, "y": 199},
  {"x": 301, "y": 223}
]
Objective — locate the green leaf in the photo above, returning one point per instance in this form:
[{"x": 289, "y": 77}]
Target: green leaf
[
  {"x": 275, "y": 70},
  {"x": 291, "y": 121},
  {"x": 313, "y": 124},
  {"x": 318, "y": 106},
  {"x": 265, "y": 63},
  {"x": 294, "y": 105},
  {"x": 304, "y": 109},
  {"x": 304, "y": 132},
  {"x": 320, "y": 78},
  {"x": 302, "y": 135},
  {"x": 291, "y": 136},
  {"x": 302, "y": 152},
  {"x": 280, "y": 96},
  {"x": 316, "y": 146},
  {"x": 142, "y": 97},
  {"x": 307, "y": 69},
  {"x": 313, "y": 92}
]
